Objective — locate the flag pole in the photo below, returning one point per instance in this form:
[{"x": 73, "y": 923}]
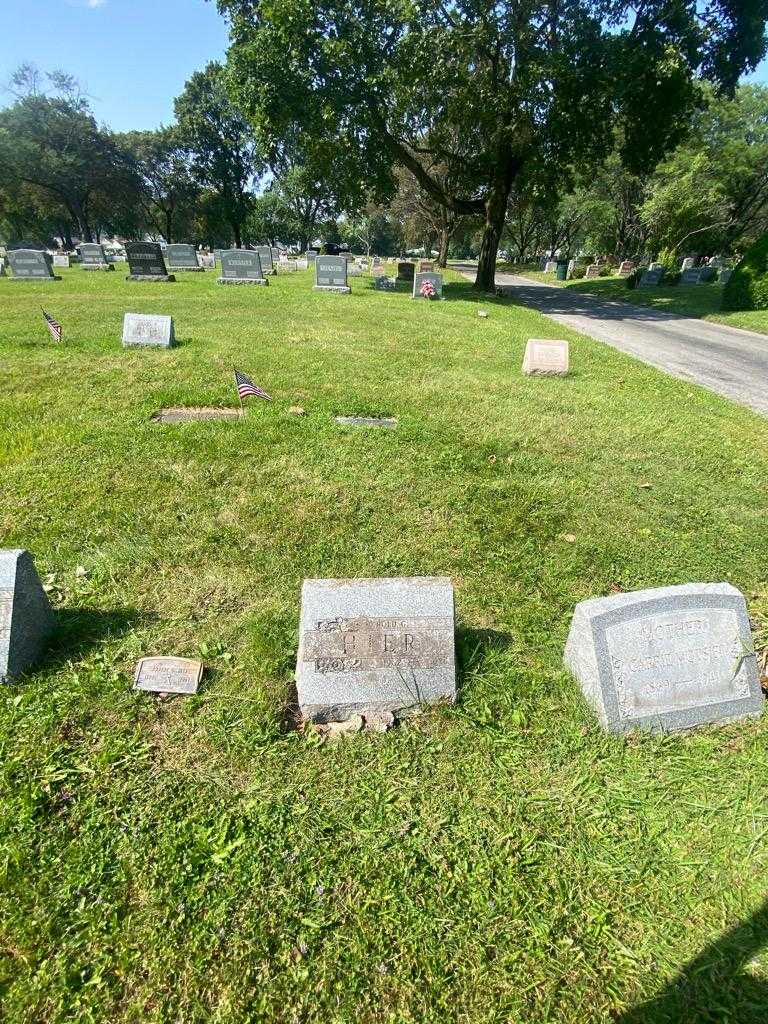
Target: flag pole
[{"x": 237, "y": 389}]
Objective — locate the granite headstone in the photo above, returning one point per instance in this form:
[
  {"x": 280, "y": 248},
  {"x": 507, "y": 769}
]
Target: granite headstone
[
  {"x": 331, "y": 275},
  {"x": 436, "y": 280},
  {"x": 652, "y": 277},
  {"x": 146, "y": 262},
  {"x": 267, "y": 263},
  {"x": 26, "y": 618},
  {"x": 148, "y": 330},
  {"x": 241, "y": 266},
  {"x": 60, "y": 259},
  {"x": 182, "y": 256},
  {"x": 93, "y": 257},
  {"x": 405, "y": 273},
  {"x": 31, "y": 265}
]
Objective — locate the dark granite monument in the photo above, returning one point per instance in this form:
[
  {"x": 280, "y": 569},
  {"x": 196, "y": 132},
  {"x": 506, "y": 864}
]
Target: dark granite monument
[
  {"x": 146, "y": 263},
  {"x": 31, "y": 265}
]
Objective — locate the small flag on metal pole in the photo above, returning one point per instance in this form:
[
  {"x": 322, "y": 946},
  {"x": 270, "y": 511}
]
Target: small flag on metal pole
[
  {"x": 53, "y": 326},
  {"x": 246, "y": 387}
]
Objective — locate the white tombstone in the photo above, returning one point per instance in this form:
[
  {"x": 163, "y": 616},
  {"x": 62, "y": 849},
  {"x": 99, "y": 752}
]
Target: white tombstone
[
  {"x": 550, "y": 267},
  {"x": 545, "y": 357},
  {"x": 145, "y": 330},
  {"x": 60, "y": 259},
  {"x": 688, "y": 263}
]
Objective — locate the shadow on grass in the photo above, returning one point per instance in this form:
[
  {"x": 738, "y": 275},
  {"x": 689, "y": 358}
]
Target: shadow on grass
[
  {"x": 474, "y": 646},
  {"x": 714, "y": 987},
  {"x": 78, "y": 630}
]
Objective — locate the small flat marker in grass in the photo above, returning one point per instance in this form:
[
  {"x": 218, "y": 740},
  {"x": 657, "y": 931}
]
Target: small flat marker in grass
[
  {"x": 168, "y": 675},
  {"x": 188, "y": 415},
  {"x": 545, "y": 357},
  {"x": 388, "y": 422}
]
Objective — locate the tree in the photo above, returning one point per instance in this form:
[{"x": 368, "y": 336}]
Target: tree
[
  {"x": 491, "y": 89},
  {"x": 270, "y": 219},
  {"x": 52, "y": 143},
  {"x": 224, "y": 154},
  {"x": 168, "y": 192}
]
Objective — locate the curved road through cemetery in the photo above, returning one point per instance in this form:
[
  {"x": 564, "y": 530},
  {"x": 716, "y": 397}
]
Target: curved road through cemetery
[{"x": 727, "y": 360}]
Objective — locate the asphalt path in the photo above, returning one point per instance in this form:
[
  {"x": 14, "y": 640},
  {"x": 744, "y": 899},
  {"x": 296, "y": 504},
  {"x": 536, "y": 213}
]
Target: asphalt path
[{"x": 727, "y": 360}]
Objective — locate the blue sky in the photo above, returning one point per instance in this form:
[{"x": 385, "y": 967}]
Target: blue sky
[{"x": 133, "y": 56}]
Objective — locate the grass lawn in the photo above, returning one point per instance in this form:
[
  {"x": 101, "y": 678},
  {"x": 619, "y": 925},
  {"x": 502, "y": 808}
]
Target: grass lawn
[
  {"x": 500, "y": 861},
  {"x": 688, "y": 300}
]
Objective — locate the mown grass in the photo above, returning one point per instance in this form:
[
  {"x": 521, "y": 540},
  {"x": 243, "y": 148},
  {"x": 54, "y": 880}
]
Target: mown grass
[
  {"x": 502, "y": 860},
  {"x": 702, "y": 301}
]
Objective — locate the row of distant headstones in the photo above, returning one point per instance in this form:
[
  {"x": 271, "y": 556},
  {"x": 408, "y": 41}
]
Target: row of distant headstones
[
  {"x": 666, "y": 658},
  {"x": 654, "y": 275}
]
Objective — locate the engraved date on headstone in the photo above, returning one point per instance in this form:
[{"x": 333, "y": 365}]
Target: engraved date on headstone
[{"x": 354, "y": 645}]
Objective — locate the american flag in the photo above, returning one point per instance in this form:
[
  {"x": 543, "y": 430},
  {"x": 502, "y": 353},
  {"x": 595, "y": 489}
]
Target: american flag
[
  {"x": 53, "y": 326},
  {"x": 246, "y": 387}
]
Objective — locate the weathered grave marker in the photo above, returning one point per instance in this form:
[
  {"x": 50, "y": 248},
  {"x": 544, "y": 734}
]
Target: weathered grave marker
[
  {"x": 148, "y": 330},
  {"x": 688, "y": 264},
  {"x": 146, "y": 262},
  {"x": 405, "y": 273},
  {"x": 26, "y": 618},
  {"x": 436, "y": 280},
  {"x": 168, "y": 675},
  {"x": 93, "y": 257},
  {"x": 691, "y": 276},
  {"x": 312, "y": 255},
  {"x": 60, "y": 259},
  {"x": 627, "y": 267},
  {"x": 267, "y": 263},
  {"x": 241, "y": 266},
  {"x": 382, "y": 283},
  {"x": 388, "y": 422},
  {"x": 207, "y": 260},
  {"x": 331, "y": 275},
  {"x": 546, "y": 357},
  {"x": 30, "y": 265},
  {"x": 593, "y": 270},
  {"x": 182, "y": 256},
  {"x": 368, "y": 645},
  {"x": 550, "y": 266},
  {"x": 652, "y": 277},
  {"x": 668, "y": 658}
]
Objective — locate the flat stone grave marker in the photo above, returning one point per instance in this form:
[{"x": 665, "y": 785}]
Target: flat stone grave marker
[
  {"x": 668, "y": 658},
  {"x": 60, "y": 259},
  {"x": 30, "y": 265},
  {"x": 593, "y": 270},
  {"x": 93, "y": 257},
  {"x": 627, "y": 267},
  {"x": 436, "y": 280},
  {"x": 651, "y": 278},
  {"x": 388, "y": 422},
  {"x": 26, "y": 618},
  {"x": 545, "y": 357},
  {"x": 148, "y": 330},
  {"x": 368, "y": 645},
  {"x": 168, "y": 675},
  {"x": 241, "y": 266},
  {"x": 405, "y": 272},
  {"x": 331, "y": 275},
  {"x": 182, "y": 256},
  {"x": 190, "y": 414},
  {"x": 146, "y": 262},
  {"x": 265, "y": 255}
]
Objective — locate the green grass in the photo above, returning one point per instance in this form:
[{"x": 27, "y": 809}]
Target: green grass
[
  {"x": 195, "y": 860},
  {"x": 703, "y": 301}
]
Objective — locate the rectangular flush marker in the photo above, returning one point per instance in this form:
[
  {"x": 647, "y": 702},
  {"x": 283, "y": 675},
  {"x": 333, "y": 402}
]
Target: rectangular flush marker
[{"x": 366, "y": 421}]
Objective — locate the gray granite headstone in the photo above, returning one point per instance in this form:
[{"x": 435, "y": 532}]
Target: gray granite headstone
[
  {"x": 668, "y": 658},
  {"x": 691, "y": 276},
  {"x": 370, "y": 645},
  {"x": 331, "y": 274},
  {"x": 146, "y": 262},
  {"x": 26, "y": 619},
  {"x": 60, "y": 259},
  {"x": 725, "y": 275},
  {"x": 31, "y": 265},
  {"x": 421, "y": 278},
  {"x": 182, "y": 256},
  {"x": 241, "y": 266},
  {"x": 707, "y": 274},
  {"x": 147, "y": 330},
  {"x": 267, "y": 262},
  {"x": 652, "y": 277},
  {"x": 312, "y": 255},
  {"x": 93, "y": 257}
]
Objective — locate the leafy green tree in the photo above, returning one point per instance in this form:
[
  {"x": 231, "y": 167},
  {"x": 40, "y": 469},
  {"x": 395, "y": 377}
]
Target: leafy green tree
[
  {"x": 270, "y": 220},
  {"x": 168, "y": 192},
  {"x": 492, "y": 90},
  {"x": 224, "y": 157}
]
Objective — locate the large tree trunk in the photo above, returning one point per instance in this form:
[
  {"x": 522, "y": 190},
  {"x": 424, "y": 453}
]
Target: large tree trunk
[
  {"x": 168, "y": 226},
  {"x": 445, "y": 241},
  {"x": 495, "y": 215},
  {"x": 238, "y": 236}
]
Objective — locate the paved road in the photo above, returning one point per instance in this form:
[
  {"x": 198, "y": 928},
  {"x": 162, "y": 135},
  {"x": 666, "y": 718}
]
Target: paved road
[{"x": 724, "y": 359}]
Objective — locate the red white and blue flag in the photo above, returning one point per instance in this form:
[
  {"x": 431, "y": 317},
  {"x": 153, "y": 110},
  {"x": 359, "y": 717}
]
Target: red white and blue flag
[
  {"x": 53, "y": 326},
  {"x": 246, "y": 387}
]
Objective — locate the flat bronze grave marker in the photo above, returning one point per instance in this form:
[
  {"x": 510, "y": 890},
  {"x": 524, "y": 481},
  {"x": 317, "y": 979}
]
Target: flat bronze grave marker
[{"x": 168, "y": 675}]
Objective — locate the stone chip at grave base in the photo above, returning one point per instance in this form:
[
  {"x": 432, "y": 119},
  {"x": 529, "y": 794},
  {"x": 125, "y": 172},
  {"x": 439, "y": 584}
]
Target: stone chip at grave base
[
  {"x": 168, "y": 675},
  {"x": 30, "y": 265},
  {"x": 546, "y": 357},
  {"x": 668, "y": 658},
  {"x": 369, "y": 645},
  {"x": 148, "y": 330},
  {"x": 26, "y": 618}
]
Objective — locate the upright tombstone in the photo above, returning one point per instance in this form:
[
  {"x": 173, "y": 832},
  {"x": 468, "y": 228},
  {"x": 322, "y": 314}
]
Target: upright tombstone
[
  {"x": 436, "y": 280},
  {"x": 725, "y": 275},
  {"x": 267, "y": 263},
  {"x": 627, "y": 267},
  {"x": 688, "y": 264},
  {"x": 550, "y": 266},
  {"x": 331, "y": 275},
  {"x": 372, "y": 645},
  {"x": 652, "y": 277},
  {"x": 302, "y": 264},
  {"x": 312, "y": 255},
  {"x": 593, "y": 270},
  {"x": 93, "y": 257},
  {"x": 31, "y": 265},
  {"x": 405, "y": 272},
  {"x": 691, "y": 275},
  {"x": 569, "y": 271},
  {"x": 668, "y": 658},
  {"x": 146, "y": 330},
  {"x": 241, "y": 266},
  {"x": 26, "y": 618},
  {"x": 61, "y": 259},
  {"x": 545, "y": 357},
  {"x": 146, "y": 263},
  {"x": 656, "y": 266},
  {"x": 206, "y": 260},
  {"x": 182, "y": 256},
  {"x": 426, "y": 266}
]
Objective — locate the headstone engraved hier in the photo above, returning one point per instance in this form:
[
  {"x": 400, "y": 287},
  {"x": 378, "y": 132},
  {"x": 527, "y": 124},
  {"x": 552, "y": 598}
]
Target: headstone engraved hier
[
  {"x": 331, "y": 275},
  {"x": 267, "y": 262},
  {"x": 667, "y": 658},
  {"x": 545, "y": 357},
  {"x": 147, "y": 330},
  {"x": 26, "y": 618},
  {"x": 30, "y": 265},
  {"x": 168, "y": 675},
  {"x": 436, "y": 280},
  {"x": 93, "y": 257},
  {"x": 146, "y": 262},
  {"x": 182, "y": 256},
  {"x": 370, "y": 645},
  {"x": 241, "y": 266}
]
